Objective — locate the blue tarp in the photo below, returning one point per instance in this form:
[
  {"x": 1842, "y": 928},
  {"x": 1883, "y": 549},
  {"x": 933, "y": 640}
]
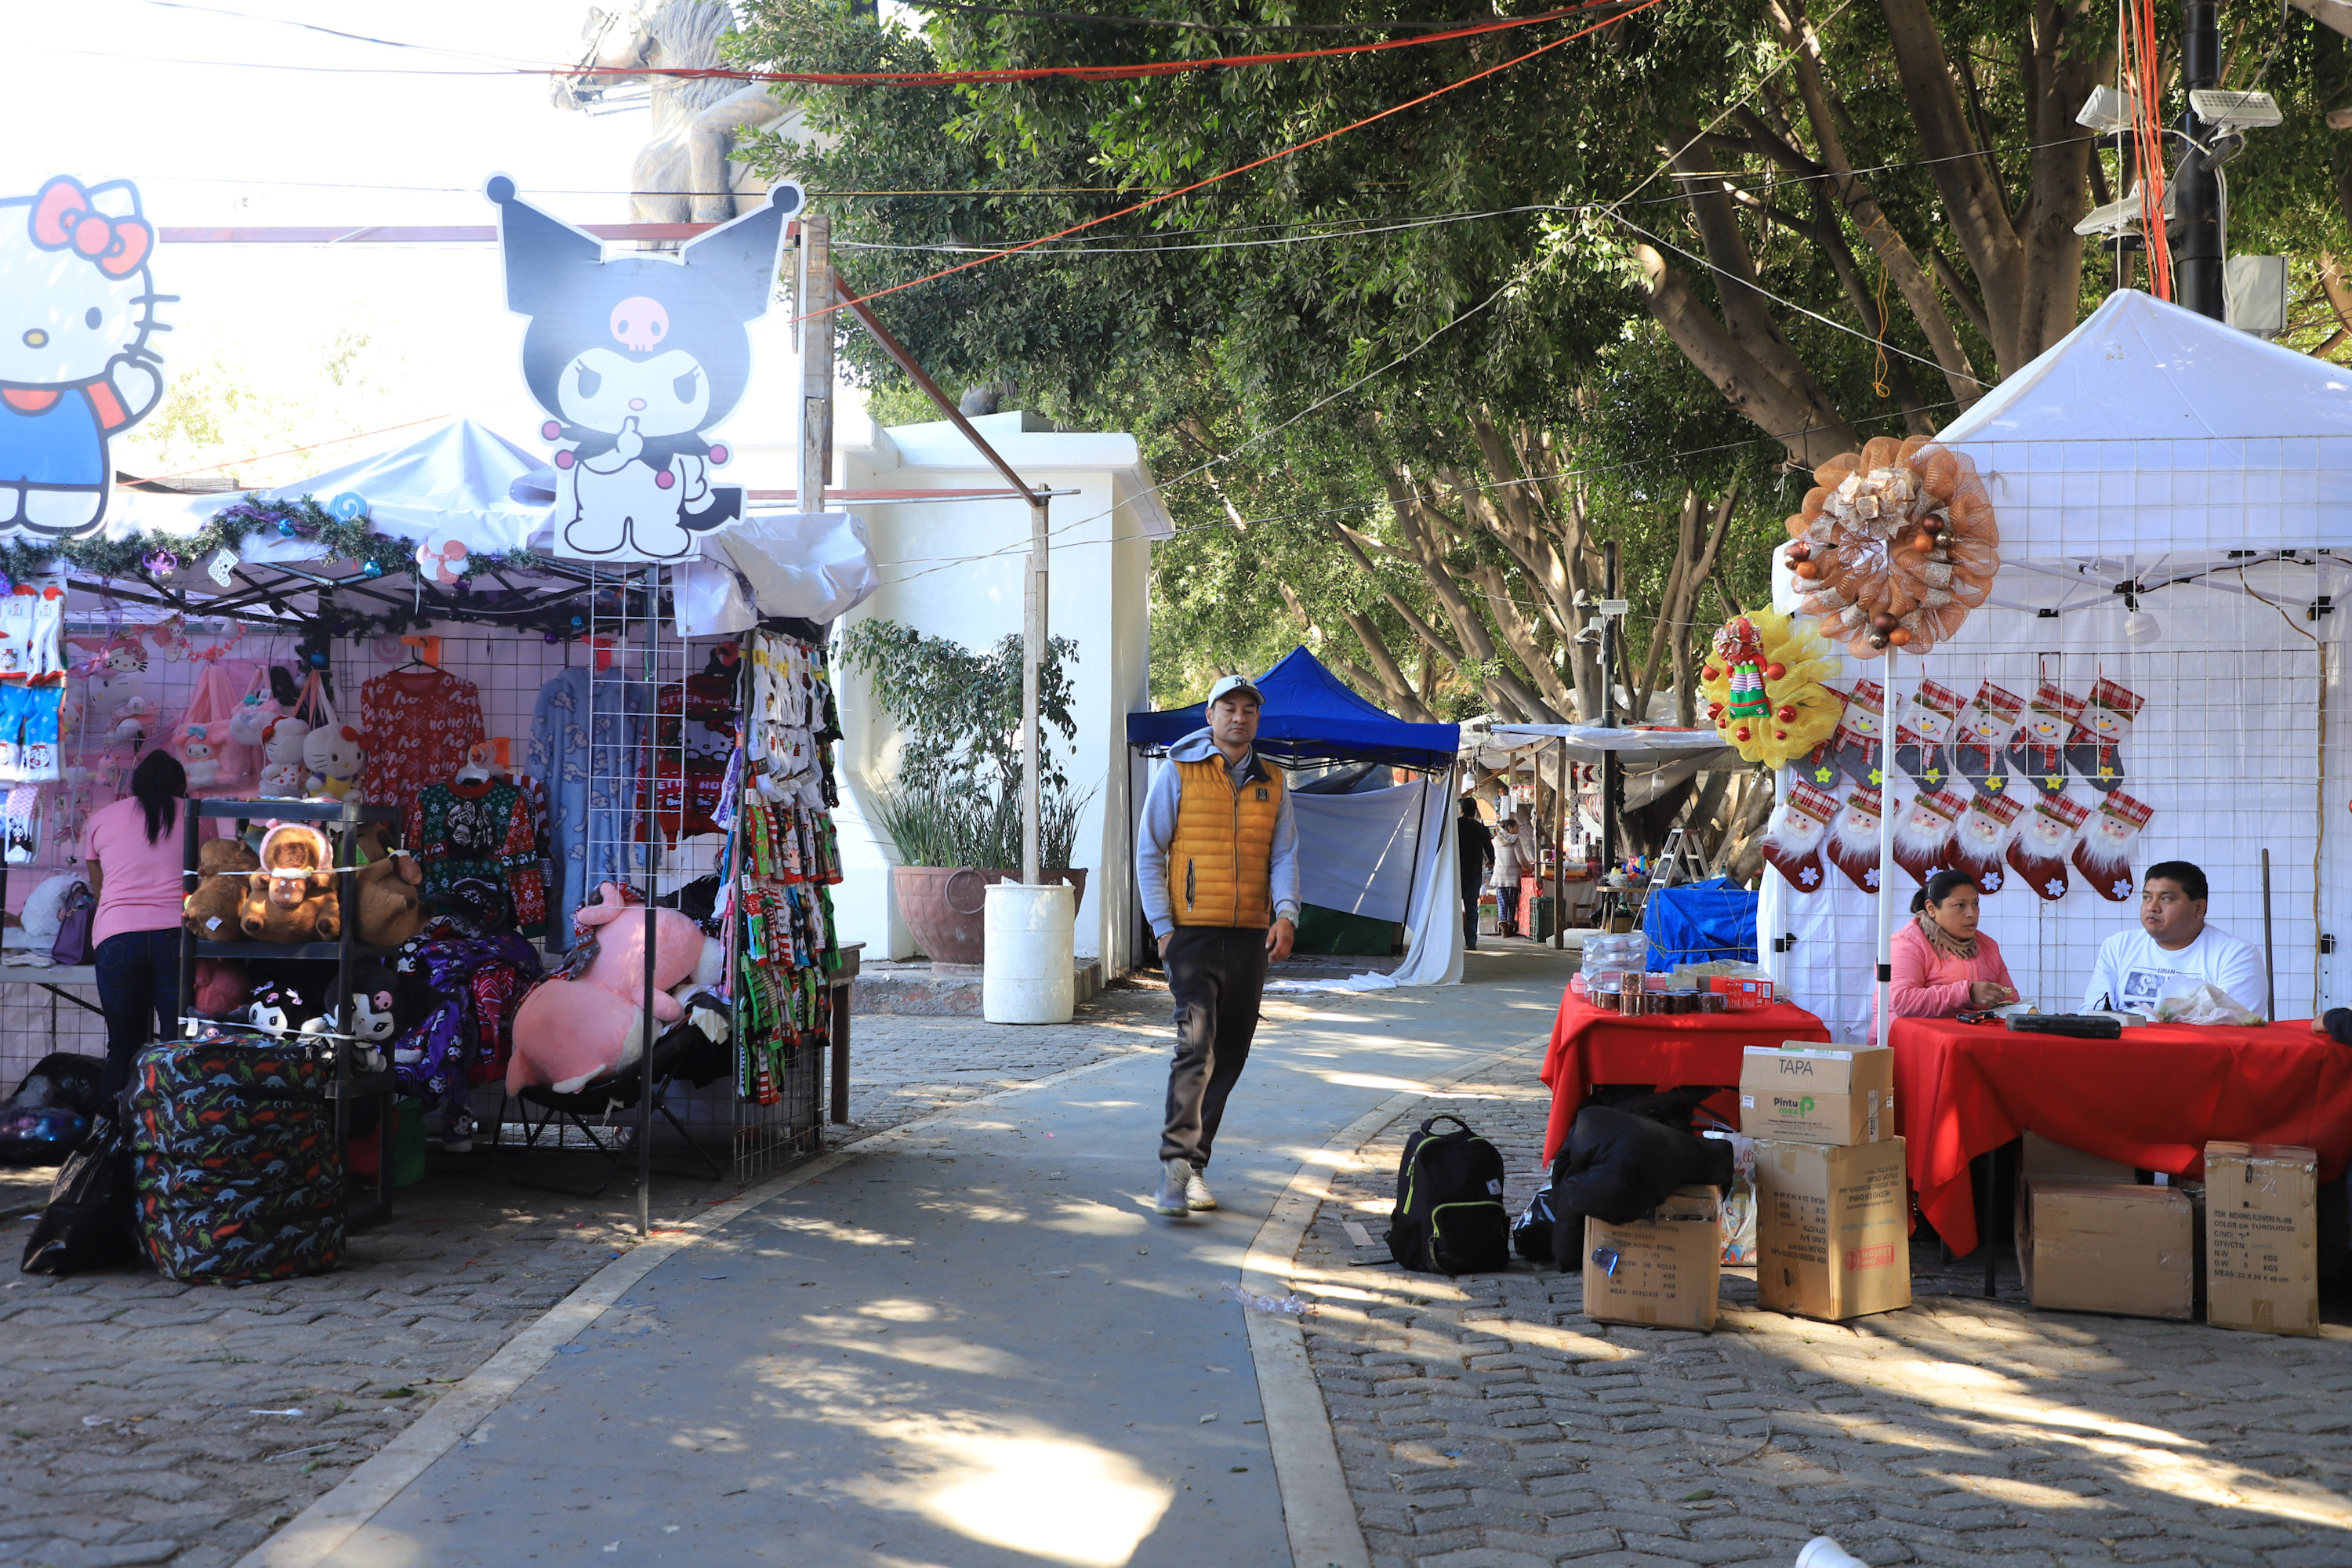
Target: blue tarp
[
  {"x": 1311, "y": 717},
  {"x": 1700, "y": 923}
]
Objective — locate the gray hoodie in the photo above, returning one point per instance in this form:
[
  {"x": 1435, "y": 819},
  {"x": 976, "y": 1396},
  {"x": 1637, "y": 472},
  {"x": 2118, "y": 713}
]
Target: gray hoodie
[{"x": 1160, "y": 831}]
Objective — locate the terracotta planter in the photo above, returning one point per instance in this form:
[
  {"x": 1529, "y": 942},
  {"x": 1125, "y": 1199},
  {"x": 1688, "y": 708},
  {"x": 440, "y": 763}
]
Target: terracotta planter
[{"x": 946, "y": 907}]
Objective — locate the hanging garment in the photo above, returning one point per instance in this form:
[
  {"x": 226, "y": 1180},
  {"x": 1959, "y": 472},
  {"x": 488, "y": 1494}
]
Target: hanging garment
[
  {"x": 481, "y": 978},
  {"x": 420, "y": 724},
  {"x": 481, "y": 832},
  {"x": 693, "y": 737},
  {"x": 585, "y": 735}
]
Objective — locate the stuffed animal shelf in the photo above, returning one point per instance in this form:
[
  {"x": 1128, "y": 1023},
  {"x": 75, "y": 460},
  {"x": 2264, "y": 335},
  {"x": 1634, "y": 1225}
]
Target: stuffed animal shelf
[
  {"x": 574, "y": 1028},
  {"x": 292, "y": 897},
  {"x": 211, "y": 909}
]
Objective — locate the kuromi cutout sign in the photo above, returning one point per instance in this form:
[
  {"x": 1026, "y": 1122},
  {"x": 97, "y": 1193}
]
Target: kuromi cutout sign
[
  {"x": 77, "y": 306},
  {"x": 635, "y": 358}
]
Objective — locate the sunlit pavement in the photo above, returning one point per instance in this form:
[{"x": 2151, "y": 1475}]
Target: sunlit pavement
[{"x": 974, "y": 1345}]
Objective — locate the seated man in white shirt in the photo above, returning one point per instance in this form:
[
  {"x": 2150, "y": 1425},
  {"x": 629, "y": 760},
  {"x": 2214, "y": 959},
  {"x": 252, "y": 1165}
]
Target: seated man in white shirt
[{"x": 2173, "y": 951}]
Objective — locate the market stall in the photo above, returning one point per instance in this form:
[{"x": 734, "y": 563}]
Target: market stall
[{"x": 1385, "y": 854}]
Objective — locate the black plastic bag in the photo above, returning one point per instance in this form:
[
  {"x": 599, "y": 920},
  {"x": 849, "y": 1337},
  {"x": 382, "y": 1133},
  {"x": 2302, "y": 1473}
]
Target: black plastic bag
[
  {"x": 49, "y": 1114},
  {"x": 88, "y": 1224}
]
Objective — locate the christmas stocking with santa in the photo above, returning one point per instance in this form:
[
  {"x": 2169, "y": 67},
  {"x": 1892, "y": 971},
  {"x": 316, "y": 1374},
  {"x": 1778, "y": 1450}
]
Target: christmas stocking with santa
[
  {"x": 2094, "y": 747},
  {"x": 1980, "y": 751},
  {"x": 2039, "y": 854},
  {"x": 1923, "y": 833},
  {"x": 1854, "y": 840},
  {"x": 1800, "y": 827},
  {"x": 1982, "y": 834},
  {"x": 2104, "y": 854}
]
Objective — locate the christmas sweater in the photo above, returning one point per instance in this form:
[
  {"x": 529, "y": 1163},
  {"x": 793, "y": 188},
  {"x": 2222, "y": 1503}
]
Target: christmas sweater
[
  {"x": 483, "y": 831},
  {"x": 420, "y": 724}
]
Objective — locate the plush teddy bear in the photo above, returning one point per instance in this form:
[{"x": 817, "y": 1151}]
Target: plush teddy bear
[
  {"x": 281, "y": 757},
  {"x": 574, "y": 1027},
  {"x": 292, "y": 897},
  {"x": 333, "y": 757},
  {"x": 385, "y": 899},
  {"x": 211, "y": 910}
]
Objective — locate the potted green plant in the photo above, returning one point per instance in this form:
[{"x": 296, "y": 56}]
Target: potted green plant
[{"x": 953, "y": 809}]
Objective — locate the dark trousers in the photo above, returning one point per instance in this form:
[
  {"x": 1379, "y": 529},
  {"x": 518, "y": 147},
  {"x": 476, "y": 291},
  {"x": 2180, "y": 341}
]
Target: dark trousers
[
  {"x": 1216, "y": 976},
  {"x": 138, "y": 980},
  {"x": 1470, "y": 891}
]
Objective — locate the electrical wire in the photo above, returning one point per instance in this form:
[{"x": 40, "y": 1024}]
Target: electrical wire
[
  {"x": 1254, "y": 164},
  {"x": 1169, "y": 22}
]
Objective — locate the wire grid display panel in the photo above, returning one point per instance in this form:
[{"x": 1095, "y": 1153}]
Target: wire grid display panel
[{"x": 2223, "y": 550}]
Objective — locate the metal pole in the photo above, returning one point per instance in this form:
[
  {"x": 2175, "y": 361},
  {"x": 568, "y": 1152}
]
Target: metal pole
[
  {"x": 1885, "y": 977},
  {"x": 2196, "y": 227},
  {"x": 653, "y": 890},
  {"x": 817, "y": 362},
  {"x": 1612, "y": 778},
  {"x": 1560, "y": 852},
  {"x": 1032, "y": 661},
  {"x": 2270, "y": 950}
]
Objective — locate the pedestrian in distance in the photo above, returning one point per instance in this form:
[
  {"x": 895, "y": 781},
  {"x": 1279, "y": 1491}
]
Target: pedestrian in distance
[
  {"x": 1475, "y": 848},
  {"x": 1217, "y": 867}
]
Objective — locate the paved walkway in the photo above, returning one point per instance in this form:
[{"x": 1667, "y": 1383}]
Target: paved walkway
[{"x": 970, "y": 1343}]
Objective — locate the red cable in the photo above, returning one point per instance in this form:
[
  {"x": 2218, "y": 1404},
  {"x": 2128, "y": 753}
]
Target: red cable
[
  {"x": 1081, "y": 73},
  {"x": 2149, "y": 133},
  {"x": 1229, "y": 173}
]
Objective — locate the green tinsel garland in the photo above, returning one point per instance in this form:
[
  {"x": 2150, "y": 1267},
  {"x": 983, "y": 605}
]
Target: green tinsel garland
[{"x": 349, "y": 537}]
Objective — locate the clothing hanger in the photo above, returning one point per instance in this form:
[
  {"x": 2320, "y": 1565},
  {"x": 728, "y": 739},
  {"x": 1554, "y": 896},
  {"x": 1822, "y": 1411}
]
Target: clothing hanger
[{"x": 475, "y": 768}]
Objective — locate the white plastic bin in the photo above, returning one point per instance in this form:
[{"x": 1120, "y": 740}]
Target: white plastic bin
[{"x": 1030, "y": 976}]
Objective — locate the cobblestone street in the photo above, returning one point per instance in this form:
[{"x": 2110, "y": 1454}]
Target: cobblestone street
[
  {"x": 143, "y": 1421},
  {"x": 1487, "y": 1422}
]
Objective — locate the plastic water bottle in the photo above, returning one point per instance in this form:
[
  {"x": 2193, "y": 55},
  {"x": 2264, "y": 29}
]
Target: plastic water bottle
[{"x": 1821, "y": 1551}]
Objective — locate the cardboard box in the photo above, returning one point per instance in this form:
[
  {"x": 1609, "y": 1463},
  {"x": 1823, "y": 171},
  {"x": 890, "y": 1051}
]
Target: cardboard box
[
  {"x": 1801, "y": 1093},
  {"x": 2044, "y": 1158},
  {"x": 1665, "y": 1271},
  {"x": 1740, "y": 995},
  {"x": 1832, "y": 1228},
  {"x": 2107, "y": 1247},
  {"x": 2262, "y": 1238}
]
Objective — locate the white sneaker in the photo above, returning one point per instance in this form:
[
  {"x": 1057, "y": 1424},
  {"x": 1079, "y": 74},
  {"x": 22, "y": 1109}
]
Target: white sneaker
[
  {"x": 1197, "y": 1196},
  {"x": 1175, "y": 1177}
]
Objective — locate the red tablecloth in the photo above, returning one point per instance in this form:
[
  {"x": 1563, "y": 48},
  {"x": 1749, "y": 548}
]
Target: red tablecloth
[
  {"x": 2150, "y": 1099},
  {"x": 1589, "y": 1046}
]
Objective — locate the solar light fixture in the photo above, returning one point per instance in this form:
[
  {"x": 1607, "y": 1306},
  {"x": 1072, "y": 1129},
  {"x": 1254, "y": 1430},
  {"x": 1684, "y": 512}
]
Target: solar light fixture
[
  {"x": 2229, "y": 113},
  {"x": 2105, "y": 113}
]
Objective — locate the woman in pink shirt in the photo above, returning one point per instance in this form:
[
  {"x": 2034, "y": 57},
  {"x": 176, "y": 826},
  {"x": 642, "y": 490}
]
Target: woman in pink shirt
[
  {"x": 1942, "y": 965},
  {"x": 135, "y": 857}
]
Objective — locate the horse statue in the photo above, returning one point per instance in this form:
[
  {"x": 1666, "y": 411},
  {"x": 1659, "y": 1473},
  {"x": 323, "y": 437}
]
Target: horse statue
[{"x": 686, "y": 172}]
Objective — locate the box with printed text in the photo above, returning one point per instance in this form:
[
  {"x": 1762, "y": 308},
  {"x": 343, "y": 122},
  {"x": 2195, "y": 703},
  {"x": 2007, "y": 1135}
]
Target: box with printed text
[
  {"x": 2262, "y": 1238},
  {"x": 1808, "y": 1093},
  {"x": 1832, "y": 1228},
  {"x": 1664, "y": 1271}
]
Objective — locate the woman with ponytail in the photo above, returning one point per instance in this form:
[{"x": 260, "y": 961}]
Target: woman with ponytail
[
  {"x": 1942, "y": 964},
  {"x": 134, "y": 857}
]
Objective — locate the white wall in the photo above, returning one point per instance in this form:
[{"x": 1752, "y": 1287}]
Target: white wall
[{"x": 953, "y": 569}]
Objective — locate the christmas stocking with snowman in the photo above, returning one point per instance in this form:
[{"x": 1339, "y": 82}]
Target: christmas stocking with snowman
[
  {"x": 1980, "y": 752},
  {"x": 1982, "y": 834},
  {"x": 2094, "y": 748},
  {"x": 1927, "y": 729},
  {"x": 1793, "y": 839},
  {"x": 2039, "y": 854},
  {"x": 2104, "y": 856},
  {"x": 1859, "y": 745},
  {"x": 1854, "y": 840},
  {"x": 2038, "y": 752}
]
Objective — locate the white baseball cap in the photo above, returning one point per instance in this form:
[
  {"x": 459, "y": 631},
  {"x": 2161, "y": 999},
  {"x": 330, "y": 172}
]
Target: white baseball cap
[{"x": 1228, "y": 684}]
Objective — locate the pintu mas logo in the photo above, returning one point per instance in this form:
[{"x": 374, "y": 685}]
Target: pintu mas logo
[{"x": 1802, "y": 1106}]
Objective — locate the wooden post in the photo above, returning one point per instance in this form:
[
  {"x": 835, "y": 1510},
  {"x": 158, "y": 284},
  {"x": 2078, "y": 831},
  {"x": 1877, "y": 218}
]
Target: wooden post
[
  {"x": 1033, "y": 663},
  {"x": 815, "y": 293}
]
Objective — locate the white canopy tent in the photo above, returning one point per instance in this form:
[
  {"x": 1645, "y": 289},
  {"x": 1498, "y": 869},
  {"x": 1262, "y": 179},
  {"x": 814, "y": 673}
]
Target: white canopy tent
[{"x": 2173, "y": 499}]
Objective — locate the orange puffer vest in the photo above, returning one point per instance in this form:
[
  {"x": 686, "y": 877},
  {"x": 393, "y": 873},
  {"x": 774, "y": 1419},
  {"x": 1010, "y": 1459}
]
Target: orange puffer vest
[{"x": 1220, "y": 864}]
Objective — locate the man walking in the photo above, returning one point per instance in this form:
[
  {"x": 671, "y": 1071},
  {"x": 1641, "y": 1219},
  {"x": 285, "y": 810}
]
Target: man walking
[
  {"x": 1217, "y": 867},
  {"x": 1474, "y": 847}
]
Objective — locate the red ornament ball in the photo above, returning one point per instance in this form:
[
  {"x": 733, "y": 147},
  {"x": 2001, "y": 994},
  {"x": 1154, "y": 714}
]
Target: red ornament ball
[
  {"x": 1779, "y": 734},
  {"x": 1743, "y": 734},
  {"x": 1708, "y": 672},
  {"x": 1786, "y": 715},
  {"x": 1776, "y": 671}
]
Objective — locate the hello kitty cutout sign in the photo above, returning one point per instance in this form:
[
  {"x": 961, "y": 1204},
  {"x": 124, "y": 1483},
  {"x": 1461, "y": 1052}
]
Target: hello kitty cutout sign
[
  {"x": 77, "y": 306},
  {"x": 635, "y": 358}
]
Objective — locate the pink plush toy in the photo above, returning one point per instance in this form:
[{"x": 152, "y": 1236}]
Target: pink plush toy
[{"x": 569, "y": 1031}]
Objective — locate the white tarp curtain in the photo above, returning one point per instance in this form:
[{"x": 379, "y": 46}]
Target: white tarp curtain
[
  {"x": 1356, "y": 851},
  {"x": 1432, "y": 920},
  {"x": 815, "y": 565},
  {"x": 2142, "y": 451}
]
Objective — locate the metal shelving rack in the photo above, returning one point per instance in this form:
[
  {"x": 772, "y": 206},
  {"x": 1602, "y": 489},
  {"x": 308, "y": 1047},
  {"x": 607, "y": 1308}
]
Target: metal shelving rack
[{"x": 347, "y": 1085}]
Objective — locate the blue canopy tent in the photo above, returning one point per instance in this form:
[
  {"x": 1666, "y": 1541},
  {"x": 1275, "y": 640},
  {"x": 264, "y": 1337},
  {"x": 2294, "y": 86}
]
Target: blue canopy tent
[
  {"x": 1312, "y": 717},
  {"x": 1385, "y": 855}
]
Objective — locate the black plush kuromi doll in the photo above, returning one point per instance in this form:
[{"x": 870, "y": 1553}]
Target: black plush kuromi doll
[{"x": 635, "y": 358}]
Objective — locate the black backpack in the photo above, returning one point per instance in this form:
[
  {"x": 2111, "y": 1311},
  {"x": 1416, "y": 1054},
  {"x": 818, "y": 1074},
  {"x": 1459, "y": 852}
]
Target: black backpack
[{"x": 1449, "y": 1216}]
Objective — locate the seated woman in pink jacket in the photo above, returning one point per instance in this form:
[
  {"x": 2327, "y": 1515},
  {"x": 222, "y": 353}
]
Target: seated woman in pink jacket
[{"x": 1942, "y": 965}]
